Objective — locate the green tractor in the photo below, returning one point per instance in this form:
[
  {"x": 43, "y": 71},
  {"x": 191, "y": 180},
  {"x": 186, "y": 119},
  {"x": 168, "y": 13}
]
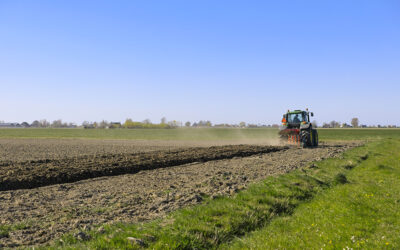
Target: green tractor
[{"x": 297, "y": 129}]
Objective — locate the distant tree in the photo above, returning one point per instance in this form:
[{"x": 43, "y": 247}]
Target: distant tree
[
  {"x": 85, "y": 124},
  {"x": 128, "y": 123},
  {"x": 44, "y": 124},
  {"x": 104, "y": 124},
  {"x": 163, "y": 120},
  {"x": 326, "y": 125},
  {"x": 187, "y": 124},
  {"x": 334, "y": 124},
  {"x": 204, "y": 123},
  {"x": 147, "y": 121},
  {"x": 95, "y": 125},
  {"x": 173, "y": 124},
  {"x": 242, "y": 124},
  {"x": 314, "y": 124},
  {"x": 56, "y": 124},
  {"x": 354, "y": 122},
  {"x": 25, "y": 125},
  {"x": 35, "y": 124}
]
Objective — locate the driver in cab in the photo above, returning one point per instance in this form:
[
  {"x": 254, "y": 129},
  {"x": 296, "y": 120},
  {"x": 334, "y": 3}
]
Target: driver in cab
[{"x": 296, "y": 119}]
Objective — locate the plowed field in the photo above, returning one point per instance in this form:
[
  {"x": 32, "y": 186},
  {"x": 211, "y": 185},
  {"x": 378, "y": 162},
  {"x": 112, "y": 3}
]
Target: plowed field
[
  {"x": 39, "y": 173},
  {"x": 61, "y": 189}
]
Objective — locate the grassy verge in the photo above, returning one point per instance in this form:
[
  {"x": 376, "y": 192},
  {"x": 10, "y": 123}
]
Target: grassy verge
[
  {"x": 364, "y": 213},
  {"x": 222, "y": 220},
  {"x": 332, "y": 134}
]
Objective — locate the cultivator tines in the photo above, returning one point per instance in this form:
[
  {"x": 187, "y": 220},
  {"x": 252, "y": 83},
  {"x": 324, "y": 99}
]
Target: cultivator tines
[
  {"x": 292, "y": 135},
  {"x": 294, "y": 139}
]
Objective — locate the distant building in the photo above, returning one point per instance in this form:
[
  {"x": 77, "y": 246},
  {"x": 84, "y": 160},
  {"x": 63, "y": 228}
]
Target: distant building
[
  {"x": 252, "y": 126},
  {"x": 88, "y": 126},
  {"x": 10, "y": 125},
  {"x": 115, "y": 125},
  {"x": 345, "y": 125}
]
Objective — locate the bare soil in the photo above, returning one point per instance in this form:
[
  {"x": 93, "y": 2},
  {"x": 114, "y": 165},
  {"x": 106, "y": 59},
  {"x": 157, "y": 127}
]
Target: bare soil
[
  {"x": 31, "y": 174},
  {"x": 29, "y": 149},
  {"x": 41, "y": 214}
]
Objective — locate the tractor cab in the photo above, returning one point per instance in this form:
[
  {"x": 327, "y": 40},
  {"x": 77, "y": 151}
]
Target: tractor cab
[{"x": 293, "y": 119}]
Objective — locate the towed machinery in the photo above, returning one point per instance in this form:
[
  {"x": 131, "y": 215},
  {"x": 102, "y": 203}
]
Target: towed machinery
[{"x": 297, "y": 129}]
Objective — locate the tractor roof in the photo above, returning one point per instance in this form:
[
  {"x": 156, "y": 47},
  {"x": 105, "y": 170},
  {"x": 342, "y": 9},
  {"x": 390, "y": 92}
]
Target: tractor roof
[{"x": 296, "y": 112}]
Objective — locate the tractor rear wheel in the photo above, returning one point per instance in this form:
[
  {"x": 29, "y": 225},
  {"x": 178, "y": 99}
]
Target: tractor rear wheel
[
  {"x": 315, "y": 138},
  {"x": 305, "y": 138}
]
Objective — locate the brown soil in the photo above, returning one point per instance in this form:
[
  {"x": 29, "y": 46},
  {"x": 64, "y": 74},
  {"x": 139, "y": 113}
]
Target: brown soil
[
  {"x": 50, "y": 211},
  {"x": 27, "y": 149},
  {"x": 40, "y": 173}
]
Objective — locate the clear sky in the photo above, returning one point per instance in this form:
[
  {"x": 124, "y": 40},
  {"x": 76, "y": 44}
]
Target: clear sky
[{"x": 224, "y": 61}]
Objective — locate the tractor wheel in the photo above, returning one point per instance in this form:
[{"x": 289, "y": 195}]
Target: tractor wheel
[
  {"x": 315, "y": 137},
  {"x": 305, "y": 138}
]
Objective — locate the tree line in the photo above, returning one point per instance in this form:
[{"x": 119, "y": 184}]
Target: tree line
[
  {"x": 335, "y": 124},
  {"x": 44, "y": 124},
  {"x": 164, "y": 123}
]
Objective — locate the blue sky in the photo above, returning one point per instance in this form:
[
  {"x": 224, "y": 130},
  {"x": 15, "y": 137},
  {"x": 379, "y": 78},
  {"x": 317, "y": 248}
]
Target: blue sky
[{"x": 224, "y": 61}]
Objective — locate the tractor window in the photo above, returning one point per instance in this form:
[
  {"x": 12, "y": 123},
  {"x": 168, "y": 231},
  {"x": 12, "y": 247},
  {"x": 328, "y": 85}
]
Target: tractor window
[
  {"x": 305, "y": 117},
  {"x": 295, "y": 118}
]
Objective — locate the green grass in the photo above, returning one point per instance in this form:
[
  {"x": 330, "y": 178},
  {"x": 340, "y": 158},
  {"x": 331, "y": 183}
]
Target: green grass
[
  {"x": 358, "y": 134},
  {"x": 364, "y": 213},
  {"x": 326, "y": 203},
  {"x": 194, "y": 133},
  {"x": 6, "y": 229}
]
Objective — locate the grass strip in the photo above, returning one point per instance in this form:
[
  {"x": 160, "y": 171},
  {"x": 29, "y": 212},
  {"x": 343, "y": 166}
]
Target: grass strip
[
  {"x": 222, "y": 220},
  {"x": 362, "y": 214}
]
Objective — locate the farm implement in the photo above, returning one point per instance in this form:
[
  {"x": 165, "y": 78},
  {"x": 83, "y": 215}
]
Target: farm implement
[{"x": 297, "y": 129}]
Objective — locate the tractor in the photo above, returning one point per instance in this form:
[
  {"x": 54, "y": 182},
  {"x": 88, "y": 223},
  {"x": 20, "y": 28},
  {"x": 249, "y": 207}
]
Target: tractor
[{"x": 297, "y": 129}]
